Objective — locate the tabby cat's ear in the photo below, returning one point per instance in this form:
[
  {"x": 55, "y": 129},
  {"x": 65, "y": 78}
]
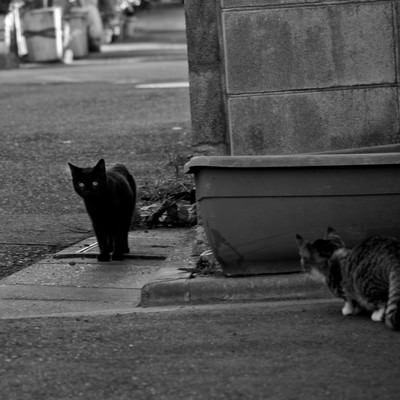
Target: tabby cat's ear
[
  {"x": 299, "y": 239},
  {"x": 334, "y": 237},
  {"x": 304, "y": 249}
]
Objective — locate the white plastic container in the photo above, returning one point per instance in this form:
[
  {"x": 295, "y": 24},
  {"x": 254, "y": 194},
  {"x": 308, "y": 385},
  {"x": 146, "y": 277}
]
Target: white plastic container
[
  {"x": 43, "y": 33},
  {"x": 77, "y": 19}
]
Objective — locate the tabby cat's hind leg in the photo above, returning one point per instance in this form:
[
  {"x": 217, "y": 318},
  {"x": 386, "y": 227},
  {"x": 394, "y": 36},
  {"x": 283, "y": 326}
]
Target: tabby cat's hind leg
[
  {"x": 347, "y": 308},
  {"x": 392, "y": 317},
  {"x": 378, "y": 315}
]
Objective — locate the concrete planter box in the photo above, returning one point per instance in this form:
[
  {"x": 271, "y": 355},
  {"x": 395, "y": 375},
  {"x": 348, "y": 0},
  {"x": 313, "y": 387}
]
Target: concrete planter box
[{"x": 253, "y": 206}]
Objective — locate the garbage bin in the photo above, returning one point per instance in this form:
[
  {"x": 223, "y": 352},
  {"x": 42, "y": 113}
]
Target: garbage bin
[
  {"x": 79, "y": 43},
  {"x": 129, "y": 27},
  {"x": 43, "y": 33},
  {"x": 3, "y": 47}
]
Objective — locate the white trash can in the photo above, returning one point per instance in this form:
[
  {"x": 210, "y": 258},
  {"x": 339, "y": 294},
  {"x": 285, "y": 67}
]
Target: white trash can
[{"x": 44, "y": 34}]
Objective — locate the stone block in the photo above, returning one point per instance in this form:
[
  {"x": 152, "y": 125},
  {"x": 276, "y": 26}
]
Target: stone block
[
  {"x": 202, "y": 38},
  {"x": 313, "y": 121},
  {"x": 206, "y": 91},
  {"x": 309, "y": 47},
  {"x": 208, "y": 114}
]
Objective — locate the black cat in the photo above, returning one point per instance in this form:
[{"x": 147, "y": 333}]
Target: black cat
[{"x": 110, "y": 197}]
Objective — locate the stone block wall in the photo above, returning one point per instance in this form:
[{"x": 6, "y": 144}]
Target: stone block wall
[{"x": 289, "y": 76}]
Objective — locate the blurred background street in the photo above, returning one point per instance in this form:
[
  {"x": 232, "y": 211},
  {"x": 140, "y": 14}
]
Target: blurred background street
[{"x": 129, "y": 103}]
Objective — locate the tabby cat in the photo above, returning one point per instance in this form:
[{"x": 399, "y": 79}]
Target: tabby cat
[
  {"x": 109, "y": 196},
  {"x": 367, "y": 276}
]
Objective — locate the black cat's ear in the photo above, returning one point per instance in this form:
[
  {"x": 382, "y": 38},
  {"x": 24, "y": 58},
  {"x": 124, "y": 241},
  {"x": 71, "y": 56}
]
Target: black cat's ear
[
  {"x": 330, "y": 230},
  {"x": 73, "y": 168},
  {"x": 101, "y": 165},
  {"x": 330, "y": 233}
]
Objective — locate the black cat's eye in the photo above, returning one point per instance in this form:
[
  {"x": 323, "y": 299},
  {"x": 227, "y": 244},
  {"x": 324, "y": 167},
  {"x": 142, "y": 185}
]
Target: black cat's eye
[
  {"x": 95, "y": 183},
  {"x": 81, "y": 185}
]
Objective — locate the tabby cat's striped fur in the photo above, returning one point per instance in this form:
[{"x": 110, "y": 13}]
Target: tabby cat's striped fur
[{"x": 367, "y": 276}]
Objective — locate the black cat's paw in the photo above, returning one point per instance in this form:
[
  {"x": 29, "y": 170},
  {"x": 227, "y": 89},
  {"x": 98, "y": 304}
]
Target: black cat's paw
[
  {"x": 103, "y": 257},
  {"x": 117, "y": 256}
]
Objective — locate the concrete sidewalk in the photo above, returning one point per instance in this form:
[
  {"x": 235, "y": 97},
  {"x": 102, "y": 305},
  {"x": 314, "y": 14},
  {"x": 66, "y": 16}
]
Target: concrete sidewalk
[{"x": 73, "y": 282}]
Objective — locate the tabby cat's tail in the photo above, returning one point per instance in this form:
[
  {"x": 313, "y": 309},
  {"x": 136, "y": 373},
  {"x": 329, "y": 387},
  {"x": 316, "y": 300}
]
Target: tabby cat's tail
[{"x": 392, "y": 313}]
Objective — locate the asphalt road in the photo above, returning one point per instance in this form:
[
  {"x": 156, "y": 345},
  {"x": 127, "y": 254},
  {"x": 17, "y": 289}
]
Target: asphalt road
[
  {"x": 53, "y": 113},
  {"x": 255, "y": 351}
]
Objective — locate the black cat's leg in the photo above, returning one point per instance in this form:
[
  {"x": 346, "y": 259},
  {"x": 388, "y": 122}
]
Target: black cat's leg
[
  {"x": 103, "y": 240},
  {"x": 121, "y": 246},
  {"x": 103, "y": 256},
  {"x": 125, "y": 241},
  {"x": 117, "y": 256},
  {"x": 121, "y": 231}
]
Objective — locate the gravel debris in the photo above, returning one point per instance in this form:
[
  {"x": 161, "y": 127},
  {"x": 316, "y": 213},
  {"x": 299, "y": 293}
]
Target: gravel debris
[{"x": 14, "y": 258}]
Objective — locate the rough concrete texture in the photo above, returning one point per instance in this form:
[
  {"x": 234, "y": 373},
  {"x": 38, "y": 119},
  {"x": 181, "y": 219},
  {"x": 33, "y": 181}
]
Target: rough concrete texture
[
  {"x": 77, "y": 285},
  {"x": 297, "y": 75},
  {"x": 25, "y": 301},
  {"x": 313, "y": 120},
  {"x": 173, "y": 285},
  {"x": 75, "y": 282},
  {"x": 208, "y": 114},
  {"x": 206, "y": 93},
  {"x": 314, "y": 47},
  {"x": 219, "y": 289},
  {"x": 279, "y": 351}
]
